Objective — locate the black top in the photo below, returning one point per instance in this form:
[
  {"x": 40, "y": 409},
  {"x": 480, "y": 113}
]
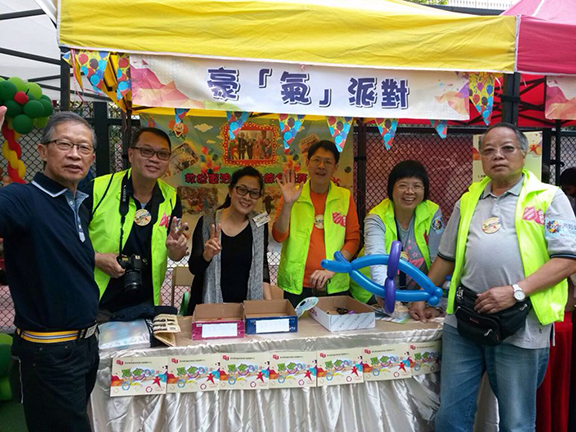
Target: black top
[
  {"x": 116, "y": 297},
  {"x": 236, "y": 261},
  {"x": 49, "y": 256}
]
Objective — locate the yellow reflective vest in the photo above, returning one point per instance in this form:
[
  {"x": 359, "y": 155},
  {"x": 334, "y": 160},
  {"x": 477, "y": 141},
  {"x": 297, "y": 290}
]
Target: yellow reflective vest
[
  {"x": 548, "y": 304},
  {"x": 104, "y": 229},
  {"x": 295, "y": 247},
  {"x": 423, "y": 215}
]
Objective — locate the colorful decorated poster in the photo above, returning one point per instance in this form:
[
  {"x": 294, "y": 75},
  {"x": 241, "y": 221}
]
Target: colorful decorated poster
[
  {"x": 386, "y": 362},
  {"x": 134, "y": 376},
  {"x": 339, "y": 129},
  {"x": 290, "y": 124},
  {"x": 342, "y": 366},
  {"x": 123, "y": 75},
  {"x": 533, "y": 161},
  {"x": 93, "y": 64},
  {"x": 193, "y": 373},
  {"x": 204, "y": 158},
  {"x": 244, "y": 371},
  {"x": 229, "y": 85},
  {"x": 425, "y": 357},
  {"x": 561, "y": 98},
  {"x": 235, "y": 122},
  {"x": 292, "y": 369}
]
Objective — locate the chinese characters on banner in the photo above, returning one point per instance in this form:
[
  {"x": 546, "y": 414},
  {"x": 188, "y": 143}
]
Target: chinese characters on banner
[
  {"x": 290, "y": 88},
  {"x": 204, "y": 158}
]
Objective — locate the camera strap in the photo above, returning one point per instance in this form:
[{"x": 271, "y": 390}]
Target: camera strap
[{"x": 124, "y": 205}]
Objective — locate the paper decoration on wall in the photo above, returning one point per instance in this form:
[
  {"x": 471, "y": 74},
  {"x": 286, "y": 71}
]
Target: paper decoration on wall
[
  {"x": 123, "y": 75},
  {"x": 290, "y": 124},
  {"x": 387, "y": 128},
  {"x": 481, "y": 86},
  {"x": 441, "y": 127},
  {"x": 93, "y": 64},
  {"x": 235, "y": 121},
  {"x": 339, "y": 129}
]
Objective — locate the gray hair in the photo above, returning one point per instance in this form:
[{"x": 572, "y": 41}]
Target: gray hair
[
  {"x": 61, "y": 118},
  {"x": 520, "y": 137}
]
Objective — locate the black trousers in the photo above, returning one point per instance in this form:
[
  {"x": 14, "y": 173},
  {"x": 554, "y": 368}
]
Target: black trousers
[
  {"x": 57, "y": 380},
  {"x": 309, "y": 292}
]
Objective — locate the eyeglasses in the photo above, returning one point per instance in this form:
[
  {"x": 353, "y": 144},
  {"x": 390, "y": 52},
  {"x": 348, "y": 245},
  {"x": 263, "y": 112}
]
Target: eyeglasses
[
  {"x": 66, "y": 146},
  {"x": 403, "y": 187},
  {"x": 242, "y": 191},
  {"x": 505, "y": 150},
  {"x": 148, "y": 153},
  {"x": 327, "y": 162}
]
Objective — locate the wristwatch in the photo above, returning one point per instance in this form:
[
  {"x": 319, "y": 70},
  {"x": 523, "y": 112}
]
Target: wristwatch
[{"x": 518, "y": 293}]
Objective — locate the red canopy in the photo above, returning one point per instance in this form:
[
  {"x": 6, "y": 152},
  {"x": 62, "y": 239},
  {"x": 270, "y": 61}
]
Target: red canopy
[{"x": 546, "y": 36}]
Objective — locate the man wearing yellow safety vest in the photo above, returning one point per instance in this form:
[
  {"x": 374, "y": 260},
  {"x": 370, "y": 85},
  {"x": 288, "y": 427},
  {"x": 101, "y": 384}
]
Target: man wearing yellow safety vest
[
  {"x": 135, "y": 225},
  {"x": 510, "y": 244},
  {"x": 314, "y": 221}
]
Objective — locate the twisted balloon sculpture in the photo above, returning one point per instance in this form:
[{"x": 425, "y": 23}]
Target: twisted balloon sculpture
[{"x": 430, "y": 293}]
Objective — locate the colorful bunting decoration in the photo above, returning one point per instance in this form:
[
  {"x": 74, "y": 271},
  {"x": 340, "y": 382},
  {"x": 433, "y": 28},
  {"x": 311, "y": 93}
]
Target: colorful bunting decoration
[
  {"x": 179, "y": 114},
  {"x": 70, "y": 58},
  {"x": 339, "y": 128},
  {"x": 93, "y": 64},
  {"x": 482, "y": 93},
  {"x": 123, "y": 75},
  {"x": 441, "y": 127},
  {"x": 290, "y": 124},
  {"x": 387, "y": 128},
  {"x": 236, "y": 120}
]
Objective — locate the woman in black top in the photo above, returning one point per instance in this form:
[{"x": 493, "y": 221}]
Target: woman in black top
[{"x": 229, "y": 248}]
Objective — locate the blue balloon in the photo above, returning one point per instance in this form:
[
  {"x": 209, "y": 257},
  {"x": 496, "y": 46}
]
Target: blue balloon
[{"x": 430, "y": 293}]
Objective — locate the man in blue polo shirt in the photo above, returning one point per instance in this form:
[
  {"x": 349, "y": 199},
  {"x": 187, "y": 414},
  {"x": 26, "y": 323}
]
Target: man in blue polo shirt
[{"x": 50, "y": 269}]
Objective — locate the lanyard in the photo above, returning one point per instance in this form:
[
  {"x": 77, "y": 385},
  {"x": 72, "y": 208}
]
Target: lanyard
[{"x": 402, "y": 275}]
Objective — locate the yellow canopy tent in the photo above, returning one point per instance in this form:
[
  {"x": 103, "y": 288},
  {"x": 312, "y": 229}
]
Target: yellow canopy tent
[{"x": 387, "y": 34}]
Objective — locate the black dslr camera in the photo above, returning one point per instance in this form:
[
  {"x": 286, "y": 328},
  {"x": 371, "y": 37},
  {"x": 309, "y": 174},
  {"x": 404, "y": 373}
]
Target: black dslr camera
[{"x": 133, "y": 265}]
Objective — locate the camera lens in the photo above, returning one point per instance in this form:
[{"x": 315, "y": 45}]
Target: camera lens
[{"x": 132, "y": 280}]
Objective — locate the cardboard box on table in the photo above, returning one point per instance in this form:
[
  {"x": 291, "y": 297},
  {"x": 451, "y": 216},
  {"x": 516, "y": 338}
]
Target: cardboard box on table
[
  {"x": 270, "y": 316},
  {"x": 218, "y": 320},
  {"x": 325, "y": 313}
]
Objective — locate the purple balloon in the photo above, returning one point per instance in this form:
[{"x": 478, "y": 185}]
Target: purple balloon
[
  {"x": 389, "y": 295},
  {"x": 394, "y": 258}
]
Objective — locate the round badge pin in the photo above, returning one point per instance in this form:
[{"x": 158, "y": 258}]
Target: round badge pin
[
  {"x": 142, "y": 217},
  {"x": 491, "y": 225},
  {"x": 319, "y": 221}
]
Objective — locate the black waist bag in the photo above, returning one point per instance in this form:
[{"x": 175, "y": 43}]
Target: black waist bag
[{"x": 487, "y": 329}]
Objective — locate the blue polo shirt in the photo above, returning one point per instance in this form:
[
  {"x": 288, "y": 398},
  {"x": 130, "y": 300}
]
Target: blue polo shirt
[{"x": 49, "y": 256}]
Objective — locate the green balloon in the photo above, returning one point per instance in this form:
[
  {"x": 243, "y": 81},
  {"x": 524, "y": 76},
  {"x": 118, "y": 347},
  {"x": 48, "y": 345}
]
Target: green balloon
[
  {"x": 5, "y": 392},
  {"x": 14, "y": 108},
  {"x": 22, "y": 124},
  {"x": 47, "y": 106},
  {"x": 7, "y": 90},
  {"x": 46, "y": 97},
  {"x": 5, "y": 339},
  {"x": 34, "y": 89},
  {"x": 41, "y": 122},
  {"x": 19, "y": 83},
  {"x": 34, "y": 109}
]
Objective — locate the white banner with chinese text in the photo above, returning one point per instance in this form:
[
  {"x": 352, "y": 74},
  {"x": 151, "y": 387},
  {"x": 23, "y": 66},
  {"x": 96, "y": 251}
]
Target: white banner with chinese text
[{"x": 175, "y": 82}]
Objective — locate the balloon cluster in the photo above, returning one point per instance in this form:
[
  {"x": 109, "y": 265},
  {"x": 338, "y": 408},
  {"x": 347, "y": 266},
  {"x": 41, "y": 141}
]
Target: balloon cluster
[
  {"x": 26, "y": 107},
  {"x": 430, "y": 293}
]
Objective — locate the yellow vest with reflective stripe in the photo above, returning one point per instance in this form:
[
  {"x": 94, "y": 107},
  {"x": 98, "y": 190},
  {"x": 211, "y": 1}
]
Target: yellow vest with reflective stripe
[
  {"x": 104, "y": 229},
  {"x": 423, "y": 215},
  {"x": 295, "y": 247},
  {"x": 548, "y": 304}
]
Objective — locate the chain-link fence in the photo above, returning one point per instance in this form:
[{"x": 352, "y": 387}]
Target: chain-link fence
[{"x": 447, "y": 162}]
